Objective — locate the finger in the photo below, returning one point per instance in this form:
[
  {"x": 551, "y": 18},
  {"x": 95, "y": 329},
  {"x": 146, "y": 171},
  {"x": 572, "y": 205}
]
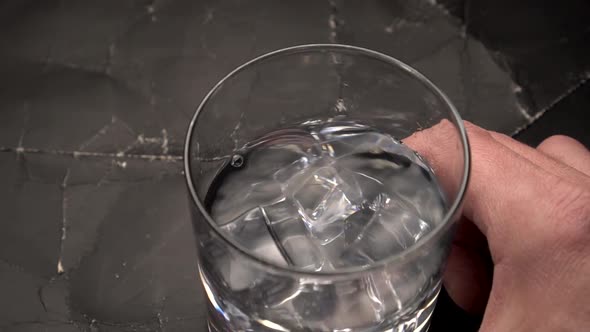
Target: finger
[
  {"x": 508, "y": 197},
  {"x": 467, "y": 279},
  {"x": 468, "y": 275},
  {"x": 568, "y": 151},
  {"x": 542, "y": 160}
]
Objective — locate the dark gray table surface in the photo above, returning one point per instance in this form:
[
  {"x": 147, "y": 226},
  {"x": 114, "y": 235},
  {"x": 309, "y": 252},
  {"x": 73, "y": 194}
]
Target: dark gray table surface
[{"x": 95, "y": 99}]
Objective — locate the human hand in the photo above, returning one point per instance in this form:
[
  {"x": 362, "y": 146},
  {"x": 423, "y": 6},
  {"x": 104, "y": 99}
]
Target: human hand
[{"x": 522, "y": 250}]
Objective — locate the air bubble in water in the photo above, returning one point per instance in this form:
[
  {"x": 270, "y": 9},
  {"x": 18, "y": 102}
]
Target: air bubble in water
[{"x": 237, "y": 160}]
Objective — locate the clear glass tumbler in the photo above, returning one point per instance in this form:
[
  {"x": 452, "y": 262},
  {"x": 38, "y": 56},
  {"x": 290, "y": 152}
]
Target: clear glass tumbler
[{"x": 317, "y": 84}]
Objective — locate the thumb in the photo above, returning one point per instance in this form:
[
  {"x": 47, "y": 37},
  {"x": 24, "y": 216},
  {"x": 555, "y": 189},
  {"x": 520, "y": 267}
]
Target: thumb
[{"x": 502, "y": 187}]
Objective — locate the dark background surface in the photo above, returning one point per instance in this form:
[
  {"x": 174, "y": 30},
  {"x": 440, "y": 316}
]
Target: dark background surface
[{"x": 95, "y": 99}]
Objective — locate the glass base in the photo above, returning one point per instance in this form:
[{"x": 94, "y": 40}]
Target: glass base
[{"x": 417, "y": 321}]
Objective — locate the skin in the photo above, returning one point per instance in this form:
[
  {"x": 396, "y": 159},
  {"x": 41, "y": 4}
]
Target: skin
[{"x": 521, "y": 255}]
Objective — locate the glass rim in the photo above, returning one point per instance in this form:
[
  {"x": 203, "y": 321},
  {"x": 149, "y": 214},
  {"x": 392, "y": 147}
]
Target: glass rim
[{"x": 397, "y": 258}]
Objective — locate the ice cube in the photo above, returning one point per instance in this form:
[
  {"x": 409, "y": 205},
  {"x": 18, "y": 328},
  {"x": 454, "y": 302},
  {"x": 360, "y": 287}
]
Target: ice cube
[
  {"x": 342, "y": 146},
  {"x": 404, "y": 223},
  {"x": 382, "y": 289},
  {"x": 300, "y": 248},
  {"x": 292, "y": 236},
  {"x": 324, "y": 201},
  {"x": 431, "y": 204},
  {"x": 354, "y": 256},
  {"x": 274, "y": 152},
  {"x": 244, "y": 198},
  {"x": 316, "y": 302},
  {"x": 395, "y": 227},
  {"x": 369, "y": 186},
  {"x": 399, "y": 286},
  {"x": 409, "y": 183},
  {"x": 338, "y": 141},
  {"x": 280, "y": 210},
  {"x": 222, "y": 264},
  {"x": 356, "y": 224},
  {"x": 287, "y": 175},
  {"x": 272, "y": 158},
  {"x": 342, "y": 141},
  {"x": 240, "y": 275},
  {"x": 251, "y": 231}
]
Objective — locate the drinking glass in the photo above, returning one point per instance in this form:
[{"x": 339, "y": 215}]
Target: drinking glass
[{"x": 303, "y": 84}]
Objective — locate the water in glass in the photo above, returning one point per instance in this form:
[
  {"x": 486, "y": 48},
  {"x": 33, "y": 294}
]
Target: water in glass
[{"x": 323, "y": 196}]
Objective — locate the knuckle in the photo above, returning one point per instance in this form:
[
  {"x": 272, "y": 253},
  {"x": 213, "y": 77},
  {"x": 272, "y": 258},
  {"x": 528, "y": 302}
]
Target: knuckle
[
  {"x": 474, "y": 130},
  {"x": 570, "y": 210},
  {"x": 557, "y": 142}
]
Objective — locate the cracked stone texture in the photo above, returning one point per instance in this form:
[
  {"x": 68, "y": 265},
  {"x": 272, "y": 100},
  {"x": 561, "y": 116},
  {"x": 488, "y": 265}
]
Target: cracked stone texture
[
  {"x": 502, "y": 64},
  {"x": 95, "y": 99}
]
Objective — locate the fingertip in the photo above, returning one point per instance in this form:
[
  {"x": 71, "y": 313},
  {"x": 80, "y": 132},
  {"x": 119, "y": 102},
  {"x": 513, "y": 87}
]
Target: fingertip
[
  {"x": 442, "y": 147},
  {"x": 559, "y": 141},
  {"x": 567, "y": 150}
]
